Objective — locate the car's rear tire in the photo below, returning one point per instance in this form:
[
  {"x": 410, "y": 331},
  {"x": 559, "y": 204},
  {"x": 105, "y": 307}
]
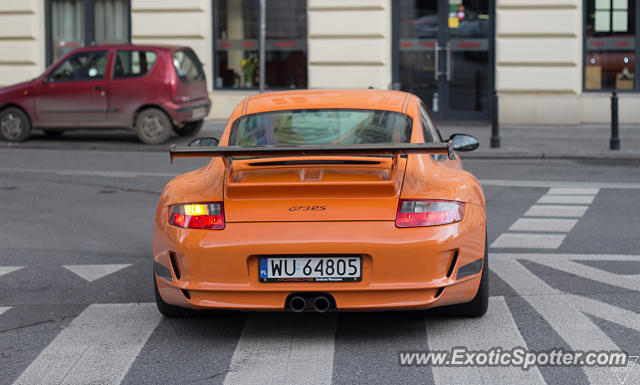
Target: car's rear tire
[
  {"x": 164, "y": 308},
  {"x": 478, "y": 306},
  {"x": 153, "y": 126},
  {"x": 53, "y": 133},
  {"x": 189, "y": 129},
  {"x": 15, "y": 125}
]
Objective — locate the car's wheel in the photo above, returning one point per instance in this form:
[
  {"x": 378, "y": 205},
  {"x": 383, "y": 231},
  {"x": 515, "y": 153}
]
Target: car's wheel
[
  {"x": 164, "y": 308},
  {"x": 189, "y": 129},
  {"x": 153, "y": 126},
  {"x": 478, "y": 306},
  {"x": 14, "y": 125},
  {"x": 53, "y": 133}
]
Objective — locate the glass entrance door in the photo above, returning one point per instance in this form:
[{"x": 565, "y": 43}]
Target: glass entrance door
[{"x": 444, "y": 53}]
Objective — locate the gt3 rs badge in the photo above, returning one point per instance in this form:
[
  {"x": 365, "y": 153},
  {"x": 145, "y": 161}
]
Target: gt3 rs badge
[{"x": 307, "y": 208}]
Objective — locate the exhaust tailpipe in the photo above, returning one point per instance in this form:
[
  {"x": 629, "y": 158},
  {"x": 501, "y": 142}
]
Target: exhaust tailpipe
[
  {"x": 297, "y": 304},
  {"x": 321, "y": 304}
]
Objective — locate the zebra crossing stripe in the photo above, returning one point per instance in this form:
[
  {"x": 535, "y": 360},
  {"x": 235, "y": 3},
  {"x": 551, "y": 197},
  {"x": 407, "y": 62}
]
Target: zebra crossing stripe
[
  {"x": 543, "y": 225},
  {"x": 284, "y": 348},
  {"x": 98, "y": 347},
  {"x": 443, "y": 334},
  {"x": 9, "y": 269},
  {"x": 573, "y": 191},
  {"x": 528, "y": 241},
  {"x": 556, "y": 211},
  {"x": 567, "y": 199},
  {"x": 4, "y": 308},
  {"x": 569, "y": 322}
]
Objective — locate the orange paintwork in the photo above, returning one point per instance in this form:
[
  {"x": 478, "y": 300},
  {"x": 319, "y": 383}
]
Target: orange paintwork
[{"x": 402, "y": 268}]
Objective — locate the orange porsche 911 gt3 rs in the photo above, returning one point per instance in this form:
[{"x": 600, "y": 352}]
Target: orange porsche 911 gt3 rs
[{"x": 320, "y": 201}]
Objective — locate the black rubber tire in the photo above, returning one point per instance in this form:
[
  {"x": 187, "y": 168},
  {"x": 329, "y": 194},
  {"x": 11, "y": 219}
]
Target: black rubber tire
[
  {"x": 53, "y": 133},
  {"x": 189, "y": 129},
  {"x": 15, "y": 125},
  {"x": 164, "y": 308},
  {"x": 478, "y": 306},
  {"x": 153, "y": 126}
]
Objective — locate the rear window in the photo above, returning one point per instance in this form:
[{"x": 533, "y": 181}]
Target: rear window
[
  {"x": 133, "y": 63},
  {"x": 321, "y": 126},
  {"x": 187, "y": 66}
]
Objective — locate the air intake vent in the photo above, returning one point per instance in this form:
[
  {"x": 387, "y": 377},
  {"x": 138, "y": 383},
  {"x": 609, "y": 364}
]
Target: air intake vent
[
  {"x": 174, "y": 264},
  {"x": 453, "y": 263}
]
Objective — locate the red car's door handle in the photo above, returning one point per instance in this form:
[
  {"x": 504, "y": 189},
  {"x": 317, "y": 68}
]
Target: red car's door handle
[{"x": 98, "y": 88}]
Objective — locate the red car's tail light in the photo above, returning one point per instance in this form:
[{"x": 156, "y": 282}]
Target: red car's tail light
[
  {"x": 197, "y": 216},
  {"x": 414, "y": 213}
]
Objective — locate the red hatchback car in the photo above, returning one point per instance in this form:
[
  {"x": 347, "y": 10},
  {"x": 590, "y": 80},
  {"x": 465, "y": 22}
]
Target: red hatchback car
[{"x": 149, "y": 89}]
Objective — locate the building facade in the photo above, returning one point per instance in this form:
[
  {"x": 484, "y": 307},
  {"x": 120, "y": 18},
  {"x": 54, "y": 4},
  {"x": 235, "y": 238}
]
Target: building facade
[{"x": 550, "y": 61}]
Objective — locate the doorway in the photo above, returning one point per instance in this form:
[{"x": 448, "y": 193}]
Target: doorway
[{"x": 443, "y": 52}]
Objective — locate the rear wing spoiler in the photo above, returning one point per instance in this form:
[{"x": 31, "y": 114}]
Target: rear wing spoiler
[{"x": 352, "y": 149}]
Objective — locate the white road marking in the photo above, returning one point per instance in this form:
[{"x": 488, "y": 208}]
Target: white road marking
[
  {"x": 9, "y": 269},
  {"x": 95, "y": 173},
  {"x": 543, "y": 224},
  {"x": 98, "y": 347},
  {"x": 567, "y": 199},
  {"x": 284, "y": 349},
  {"x": 606, "y": 311},
  {"x": 443, "y": 334},
  {"x": 631, "y": 282},
  {"x": 556, "y": 211},
  {"x": 570, "y": 323},
  {"x": 4, "y": 308},
  {"x": 574, "y": 186},
  {"x": 575, "y": 257},
  {"x": 552, "y": 184},
  {"x": 93, "y": 272},
  {"x": 528, "y": 241},
  {"x": 573, "y": 191}
]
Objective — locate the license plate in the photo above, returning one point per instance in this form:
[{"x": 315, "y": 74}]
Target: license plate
[
  {"x": 198, "y": 113},
  {"x": 310, "y": 269}
]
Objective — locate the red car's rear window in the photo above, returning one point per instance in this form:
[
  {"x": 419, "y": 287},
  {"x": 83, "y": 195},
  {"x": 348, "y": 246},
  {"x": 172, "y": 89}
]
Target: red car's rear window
[{"x": 187, "y": 66}]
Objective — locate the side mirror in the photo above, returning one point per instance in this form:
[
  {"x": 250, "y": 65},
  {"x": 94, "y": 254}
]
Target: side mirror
[
  {"x": 204, "y": 142},
  {"x": 464, "y": 142},
  {"x": 45, "y": 80}
]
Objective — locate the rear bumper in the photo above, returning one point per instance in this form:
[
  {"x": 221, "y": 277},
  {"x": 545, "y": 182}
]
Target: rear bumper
[
  {"x": 401, "y": 268},
  {"x": 182, "y": 113}
]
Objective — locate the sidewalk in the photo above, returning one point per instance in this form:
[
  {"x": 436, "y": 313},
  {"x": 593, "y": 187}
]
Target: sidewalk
[
  {"x": 556, "y": 142},
  {"x": 559, "y": 142}
]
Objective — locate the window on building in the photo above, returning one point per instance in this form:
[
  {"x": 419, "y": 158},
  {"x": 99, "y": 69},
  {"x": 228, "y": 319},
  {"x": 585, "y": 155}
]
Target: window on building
[
  {"x": 79, "y": 23},
  {"x": 133, "y": 63},
  {"x": 237, "y": 32},
  {"x": 611, "y": 46}
]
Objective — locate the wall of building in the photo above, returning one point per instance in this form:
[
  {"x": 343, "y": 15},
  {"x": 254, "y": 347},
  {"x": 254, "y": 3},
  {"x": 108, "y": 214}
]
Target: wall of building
[
  {"x": 22, "y": 44},
  {"x": 349, "y": 43},
  {"x": 539, "y": 61}
]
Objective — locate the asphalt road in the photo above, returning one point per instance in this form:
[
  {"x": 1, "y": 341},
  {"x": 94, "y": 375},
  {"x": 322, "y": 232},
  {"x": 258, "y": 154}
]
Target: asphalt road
[{"x": 76, "y": 291}]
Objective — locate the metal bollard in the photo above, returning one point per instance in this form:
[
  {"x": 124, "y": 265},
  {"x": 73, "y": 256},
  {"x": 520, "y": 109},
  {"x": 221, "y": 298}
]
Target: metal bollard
[
  {"x": 495, "y": 129},
  {"x": 614, "y": 142}
]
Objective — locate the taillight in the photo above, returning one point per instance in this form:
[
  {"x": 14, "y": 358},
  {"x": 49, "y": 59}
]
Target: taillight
[
  {"x": 414, "y": 213},
  {"x": 208, "y": 216}
]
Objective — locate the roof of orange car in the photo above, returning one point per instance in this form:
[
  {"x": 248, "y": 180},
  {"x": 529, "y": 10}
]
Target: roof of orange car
[{"x": 311, "y": 99}]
